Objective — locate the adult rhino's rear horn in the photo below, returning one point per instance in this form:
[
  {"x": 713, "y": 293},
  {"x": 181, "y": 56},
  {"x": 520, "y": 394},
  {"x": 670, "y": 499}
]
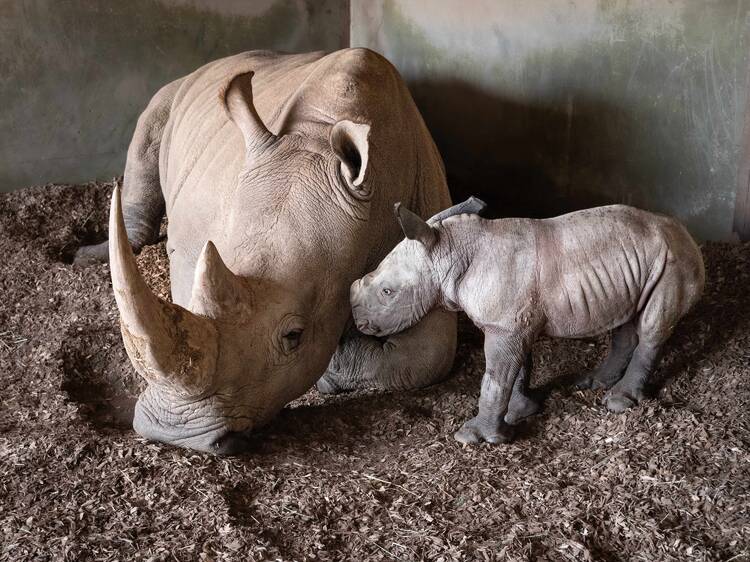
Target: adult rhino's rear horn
[
  {"x": 167, "y": 344},
  {"x": 237, "y": 98}
]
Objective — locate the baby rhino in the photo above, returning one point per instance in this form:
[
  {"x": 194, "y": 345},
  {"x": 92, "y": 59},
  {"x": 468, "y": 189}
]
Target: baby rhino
[{"x": 574, "y": 276}]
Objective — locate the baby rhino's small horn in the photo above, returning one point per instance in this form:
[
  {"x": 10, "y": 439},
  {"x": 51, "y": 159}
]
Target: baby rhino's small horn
[{"x": 472, "y": 206}]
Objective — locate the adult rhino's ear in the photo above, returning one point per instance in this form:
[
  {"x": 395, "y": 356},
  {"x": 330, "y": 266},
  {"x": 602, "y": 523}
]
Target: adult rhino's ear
[
  {"x": 414, "y": 227},
  {"x": 237, "y": 97},
  {"x": 350, "y": 143}
]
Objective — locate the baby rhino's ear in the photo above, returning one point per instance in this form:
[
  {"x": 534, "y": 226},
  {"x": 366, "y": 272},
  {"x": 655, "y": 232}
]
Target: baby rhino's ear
[{"x": 414, "y": 227}]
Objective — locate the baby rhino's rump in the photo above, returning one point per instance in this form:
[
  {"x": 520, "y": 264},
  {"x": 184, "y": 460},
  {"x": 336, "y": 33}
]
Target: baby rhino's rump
[{"x": 600, "y": 268}]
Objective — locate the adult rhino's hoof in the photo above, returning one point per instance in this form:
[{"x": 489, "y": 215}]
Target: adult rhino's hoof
[
  {"x": 475, "y": 431},
  {"x": 584, "y": 382},
  {"x": 618, "y": 402},
  {"x": 594, "y": 380},
  {"x": 90, "y": 255}
]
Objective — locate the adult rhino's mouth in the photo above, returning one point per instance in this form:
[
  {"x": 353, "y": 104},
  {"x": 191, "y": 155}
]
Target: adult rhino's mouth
[{"x": 205, "y": 433}]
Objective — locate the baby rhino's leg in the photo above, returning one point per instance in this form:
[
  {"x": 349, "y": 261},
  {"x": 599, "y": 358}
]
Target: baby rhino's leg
[
  {"x": 488, "y": 425},
  {"x": 624, "y": 340},
  {"x": 504, "y": 356},
  {"x": 669, "y": 301},
  {"x": 629, "y": 389},
  {"x": 521, "y": 406}
]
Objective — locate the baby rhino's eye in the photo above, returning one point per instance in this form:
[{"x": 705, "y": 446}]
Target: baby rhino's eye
[{"x": 387, "y": 292}]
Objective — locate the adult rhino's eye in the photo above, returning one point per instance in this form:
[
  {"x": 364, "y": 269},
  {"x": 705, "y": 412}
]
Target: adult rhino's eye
[
  {"x": 291, "y": 340},
  {"x": 387, "y": 292}
]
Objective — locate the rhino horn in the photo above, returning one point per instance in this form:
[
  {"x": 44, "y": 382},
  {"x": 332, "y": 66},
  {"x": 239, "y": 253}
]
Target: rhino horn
[
  {"x": 472, "y": 206},
  {"x": 167, "y": 344},
  {"x": 216, "y": 290},
  {"x": 238, "y": 103}
]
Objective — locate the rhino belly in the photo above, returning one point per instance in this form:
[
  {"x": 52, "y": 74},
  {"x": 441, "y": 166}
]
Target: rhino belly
[{"x": 592, "y": 300}]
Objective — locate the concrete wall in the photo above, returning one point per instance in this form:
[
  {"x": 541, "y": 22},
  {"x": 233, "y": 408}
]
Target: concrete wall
[
  {"x": 540, "y": 106},
  {"x": 75, "y": 74},
  {"x": 543, "y": 106}
]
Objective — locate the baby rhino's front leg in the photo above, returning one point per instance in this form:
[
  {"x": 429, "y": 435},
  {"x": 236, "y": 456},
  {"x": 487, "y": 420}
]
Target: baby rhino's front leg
[{"x": 503, "y": 400}]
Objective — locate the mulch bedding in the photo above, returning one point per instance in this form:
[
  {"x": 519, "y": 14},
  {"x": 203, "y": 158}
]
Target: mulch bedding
[{"x": 363, "y": 476}]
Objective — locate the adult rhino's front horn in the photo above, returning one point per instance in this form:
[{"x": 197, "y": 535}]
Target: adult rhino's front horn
[{"x": 168, "y": 345}]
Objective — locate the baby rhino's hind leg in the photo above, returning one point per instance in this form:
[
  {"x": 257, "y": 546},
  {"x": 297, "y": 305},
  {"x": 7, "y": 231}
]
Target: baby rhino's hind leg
[
  {"x": 629, "y": 390},
  {"x": 670, "y": 300},
  {"x": 624, "y": 342}
]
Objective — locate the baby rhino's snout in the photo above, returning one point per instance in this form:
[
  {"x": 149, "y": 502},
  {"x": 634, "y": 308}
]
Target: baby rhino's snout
[{"x": 357, "y": 298}]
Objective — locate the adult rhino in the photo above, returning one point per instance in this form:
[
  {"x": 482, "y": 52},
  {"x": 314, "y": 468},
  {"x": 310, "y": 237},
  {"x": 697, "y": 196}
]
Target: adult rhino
[{"x": 279, "y": 196}]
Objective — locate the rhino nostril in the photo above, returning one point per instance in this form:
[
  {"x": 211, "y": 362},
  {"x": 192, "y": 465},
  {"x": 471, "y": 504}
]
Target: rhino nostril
[{"x": 231, "y": 443}]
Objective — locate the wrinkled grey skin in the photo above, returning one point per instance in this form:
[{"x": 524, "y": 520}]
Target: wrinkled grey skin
[
  {"x": 578, "y": 275},
  {"x": 278, "y": 174}
]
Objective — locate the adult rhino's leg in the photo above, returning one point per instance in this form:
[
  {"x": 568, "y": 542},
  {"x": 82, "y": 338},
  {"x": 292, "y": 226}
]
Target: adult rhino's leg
[
  {"x": 624, "y": 342},
  {"x": 414, "y": 358},
  {"x": 505, "y": 355},
  {"x": 142, "y": 198}
]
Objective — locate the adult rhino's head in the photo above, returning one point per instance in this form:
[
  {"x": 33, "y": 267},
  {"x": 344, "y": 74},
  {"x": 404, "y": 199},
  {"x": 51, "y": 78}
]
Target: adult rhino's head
[{"x": 264, "y": 304}]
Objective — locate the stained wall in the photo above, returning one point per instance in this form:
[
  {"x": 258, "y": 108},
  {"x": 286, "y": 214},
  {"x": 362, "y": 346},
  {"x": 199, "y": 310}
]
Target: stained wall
[
  {"x": 75, "y": 74},
  {"x": 543, "y": 106}
]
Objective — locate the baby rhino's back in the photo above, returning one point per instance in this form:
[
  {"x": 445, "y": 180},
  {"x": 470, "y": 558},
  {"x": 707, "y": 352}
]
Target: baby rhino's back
[{"x": 597, "y": 267}]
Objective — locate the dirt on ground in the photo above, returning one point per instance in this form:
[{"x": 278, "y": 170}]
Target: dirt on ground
[{"x": 363, "y": 476}]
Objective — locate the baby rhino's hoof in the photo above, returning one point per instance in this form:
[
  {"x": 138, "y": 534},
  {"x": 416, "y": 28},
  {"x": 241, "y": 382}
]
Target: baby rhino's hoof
[
  {"x": 520, "y": 408},
  {"x": 476, "y": 431},
  {"x": 619, "y": 402}
]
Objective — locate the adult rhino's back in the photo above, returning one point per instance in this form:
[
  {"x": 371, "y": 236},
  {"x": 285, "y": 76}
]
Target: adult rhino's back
[{"x": 297, "y": 93}]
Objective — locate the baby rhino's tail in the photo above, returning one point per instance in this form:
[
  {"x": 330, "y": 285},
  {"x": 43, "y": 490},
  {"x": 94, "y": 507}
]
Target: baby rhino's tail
[{"x": 689, "y": 260}]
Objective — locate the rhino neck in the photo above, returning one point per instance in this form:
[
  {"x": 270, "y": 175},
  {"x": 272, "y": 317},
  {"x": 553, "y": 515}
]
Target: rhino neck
[{"x": 454, "y": 255}]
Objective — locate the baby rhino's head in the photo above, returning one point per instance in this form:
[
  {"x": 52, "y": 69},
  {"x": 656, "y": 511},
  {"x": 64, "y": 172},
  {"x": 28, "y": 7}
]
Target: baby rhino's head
[{"x": 404, "y": 287}]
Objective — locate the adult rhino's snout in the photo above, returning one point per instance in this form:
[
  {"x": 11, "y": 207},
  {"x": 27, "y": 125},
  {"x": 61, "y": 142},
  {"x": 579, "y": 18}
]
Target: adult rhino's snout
[
  {"x": 231, "y": 443},
  {"x": 205, "y": 432}
]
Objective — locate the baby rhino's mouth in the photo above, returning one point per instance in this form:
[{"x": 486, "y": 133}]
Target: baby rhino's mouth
[
  {"x": 363, "y": 324},
  {"x": 367, "y": 327}
]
